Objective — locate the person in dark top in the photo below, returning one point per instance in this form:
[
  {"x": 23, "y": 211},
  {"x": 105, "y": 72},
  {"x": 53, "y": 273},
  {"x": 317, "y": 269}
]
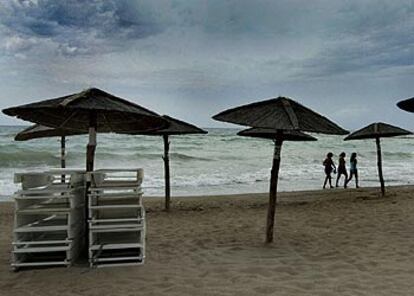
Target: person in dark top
[
  {"x": 342, "y": 169},
  {"x": 353, "y": 171},
  {"x": 329, "y": 167}
]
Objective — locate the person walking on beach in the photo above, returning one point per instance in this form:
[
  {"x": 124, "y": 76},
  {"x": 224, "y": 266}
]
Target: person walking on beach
[
  {"x": 329, "y": 167},
  {"x": 342, "y": 169},
  {"x": 353, "y": 169}
]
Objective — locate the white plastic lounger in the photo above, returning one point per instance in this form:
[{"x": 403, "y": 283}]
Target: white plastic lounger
[
  {"x": 116, "y": 218},
  {"x": 48, "y": 219}
]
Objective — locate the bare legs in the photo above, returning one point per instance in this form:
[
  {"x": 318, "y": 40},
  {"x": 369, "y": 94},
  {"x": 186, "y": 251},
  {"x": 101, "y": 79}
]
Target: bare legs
[
  {"x": 353, "y": 173},
  {"x": 339, "y": 176},
  {"x": 328, "y": 177}
]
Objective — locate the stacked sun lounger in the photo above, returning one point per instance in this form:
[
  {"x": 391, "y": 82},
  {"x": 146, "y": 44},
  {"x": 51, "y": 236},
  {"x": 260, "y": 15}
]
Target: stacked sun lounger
[
  {"x": 116, "y": 218},
  {"x": 48, "y": 221}
]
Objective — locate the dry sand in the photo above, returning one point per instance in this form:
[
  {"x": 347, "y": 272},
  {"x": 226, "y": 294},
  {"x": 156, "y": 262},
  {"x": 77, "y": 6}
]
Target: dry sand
[{"x": 332, "y": 242}]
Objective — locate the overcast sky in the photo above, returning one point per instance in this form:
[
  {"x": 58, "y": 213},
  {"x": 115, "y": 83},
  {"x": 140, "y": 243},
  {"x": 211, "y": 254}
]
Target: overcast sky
[{"x": 349, "y": 60}]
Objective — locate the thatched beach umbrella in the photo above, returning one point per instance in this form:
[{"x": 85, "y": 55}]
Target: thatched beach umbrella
[
  {"x": 279, "y": 114},
  {"x": 92, "y": 111},
  {"x": 176, "y": 127},
  {"x": 407, "y": 105},
  {"x": 268, "y": 133},
  {"x": 377, "y": 131},
  {"x": 39, "y": 131}
]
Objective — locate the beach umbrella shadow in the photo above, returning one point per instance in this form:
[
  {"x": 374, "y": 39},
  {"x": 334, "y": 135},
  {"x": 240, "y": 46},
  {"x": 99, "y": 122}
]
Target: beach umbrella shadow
[
  {"x": 280, "y": 114},
  {"x": 176, "y": 127},
  {"x": 377, "y": 131}
]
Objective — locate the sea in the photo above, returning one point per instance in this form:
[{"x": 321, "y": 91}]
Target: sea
[{"x": 217, "y": 163}]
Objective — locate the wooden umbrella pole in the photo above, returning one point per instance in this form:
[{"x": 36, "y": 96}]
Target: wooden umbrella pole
[
  {"x": 90, "y": 156},
  {"x": 90, "y": 149},
  {"x": 63, "y": 155},
  {"x": 273, "y": 189},
  {"x": 63, "y": 152},
  {"x": 379, "y": 163},
  {"x": 167, "y": 172}
]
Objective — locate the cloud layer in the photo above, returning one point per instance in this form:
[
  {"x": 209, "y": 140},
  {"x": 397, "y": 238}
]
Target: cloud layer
[{"x": 206, "y": 55}]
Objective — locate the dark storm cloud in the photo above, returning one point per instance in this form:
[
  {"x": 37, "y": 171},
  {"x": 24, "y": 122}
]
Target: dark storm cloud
[
  {"x": 77, "y": 23},
  {"x": 212, "y": 53},
  {"x": 367, "y": 37},
  {"x": 348, "y": 36}
]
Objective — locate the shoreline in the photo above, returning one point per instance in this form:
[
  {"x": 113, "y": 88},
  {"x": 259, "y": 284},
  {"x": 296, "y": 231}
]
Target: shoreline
[
  {"x": 286, "y": 196},
  {"x": 281, "y": 194}
]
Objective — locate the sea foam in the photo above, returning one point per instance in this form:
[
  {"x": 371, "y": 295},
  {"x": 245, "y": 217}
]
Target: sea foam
[{"x": 219, "y": 162}]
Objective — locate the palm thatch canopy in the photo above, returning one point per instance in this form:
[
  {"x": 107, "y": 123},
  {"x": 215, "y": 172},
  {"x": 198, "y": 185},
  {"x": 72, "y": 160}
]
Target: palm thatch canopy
[
  {"x": 176, "y": 127},
  {"x": 377, "y": 130},
  {"x": 92, "y": 111},
  {"x": 39, "y": 131},
  {"x": 113, "y": 114},
  {"x": 268, "y": 133},
  {"x": 407, "y": 105},
  {"x": 281, "y": 114}
]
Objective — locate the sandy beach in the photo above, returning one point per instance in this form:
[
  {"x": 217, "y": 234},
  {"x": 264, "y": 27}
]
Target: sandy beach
[{"x": 332, "y": 242}]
